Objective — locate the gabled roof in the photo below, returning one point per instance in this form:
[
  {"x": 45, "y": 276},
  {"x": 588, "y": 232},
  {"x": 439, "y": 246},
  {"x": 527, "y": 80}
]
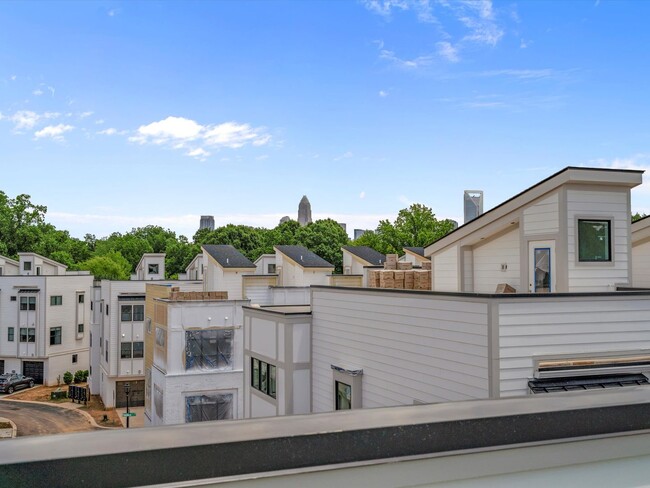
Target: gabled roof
[
  {"x": 415, "y": 250},
  {"x": 227, "y": 256},
  {"x": 44, "y": 259},
  {"x": 368, "y": 254},
  {"x": 304, "y": 257},
  {"x": 264, "y": 256},
  {"x": 626, "y": 178},
  {"x": 196, "y": 258},
  {"x": 150, "y": 255},
  {"x": 10, "y": 261}
]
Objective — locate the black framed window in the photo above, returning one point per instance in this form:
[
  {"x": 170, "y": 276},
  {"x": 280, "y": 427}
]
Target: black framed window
[
  {"x": 27, "y": 265},
  {"x": 138, "y": 350},
  {"x": 126, "y": 350},
  {"x": 263, "y": 377},
  {"x": 56, "y": 300},
  {"x": 138, "y": 313},
  {"x": 10, "y": 334},
  {"x": 201, "y": 408},
  {"x": 28, "y": 303},
  {"x": 55, "y": 336},
  {"x": 80, "y": 328},
  {"x": 343, "y": 393},
  {"x": 81, "y": 299},
  {"x": 74, "y": 359},
  {"x": 126, "y": 313},
  {"x": 594, "y": 240},
  {"x": 152, "y": 269}
]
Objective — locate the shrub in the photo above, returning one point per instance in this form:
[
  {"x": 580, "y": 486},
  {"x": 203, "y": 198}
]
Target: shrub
[
  {"x": 78, "y": 376},
  {"x": 67, "y": 377},
  {"x": 85, "y": 372}
]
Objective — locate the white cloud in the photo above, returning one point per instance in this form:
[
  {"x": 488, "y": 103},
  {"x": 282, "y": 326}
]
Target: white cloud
[
  {"x": 54, "y": 131},
  {"x": 111, "y": 131},
  {"x": 83, "y": 115},
  {"x": 26, "y": 119},
  {"x": 414, "y": 63},
  {"x": 383, "y": 94},
  {"x": 385, "y": 7},
  {"x": 99, "y": 121},
  {"x": 639, "y": 161},
  {"x": 523, "y": 44},
  {"x": 262, "y": 157},
  {"x": 180, "y": 133},
  {"x": 113, "y": 12},
  {"x": 404, "y": 200},
  {"x": 448, "y": 51},
  {"x": 13, "y": 77},
  {"x": 38, "y": 92},
  {"x": 522, "y": 74},
  {"x": 362, "y": 195},
  {"x": 346, "y": 155},
  {"x": 199, "y": 153}
]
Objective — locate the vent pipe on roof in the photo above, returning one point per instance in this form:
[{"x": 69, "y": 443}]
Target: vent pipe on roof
[{"x": 227, "y": 260}]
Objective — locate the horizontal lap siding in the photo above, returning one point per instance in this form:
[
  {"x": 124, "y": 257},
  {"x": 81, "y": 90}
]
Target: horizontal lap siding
[
  {"x": 641, "y": 265},
  {"x": 445, "y": 270},
  {"x": 542, "y": 217},
  {"x": 585, "y": 277},
  {"x": 488, "y": 259},
  {"x": 553, "y": 327},
  {"x": 410, "y": 347}
]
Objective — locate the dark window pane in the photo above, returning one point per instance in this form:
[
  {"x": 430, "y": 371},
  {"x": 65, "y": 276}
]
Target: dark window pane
[
  {"x": 272, "y": 380},
  {"x": 594, "y": 240},
  {"x": 126, "y": 313},
  {"x": 138, "y": 313},
  {"x": 125, "y": 350},
  {"x": 343, "y": 396},
  {"x": 255, "y": 380},
  {"x": 264, "y": 381},
  {"x": 138, "y": 350}
]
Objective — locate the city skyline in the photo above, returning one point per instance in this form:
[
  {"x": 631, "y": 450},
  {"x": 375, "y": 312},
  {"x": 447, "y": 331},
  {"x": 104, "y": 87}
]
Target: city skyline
[{"x": 122, "y": 114}]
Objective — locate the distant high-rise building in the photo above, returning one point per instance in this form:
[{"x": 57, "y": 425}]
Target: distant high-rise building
[
  {"x": 473, "y": 204},
  {"x": 304, "y": 211},
  {"x": 359, "y": 232},
  {"x": 344, "y": 226},
  {"x": 207, "y": 222}
]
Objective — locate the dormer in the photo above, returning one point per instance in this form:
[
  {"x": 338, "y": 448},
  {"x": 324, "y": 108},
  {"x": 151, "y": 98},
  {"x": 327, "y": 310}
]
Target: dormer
[
  {"x": 32, "y": 264},
  {"x": 151, "y": 267},
  {"x": 9, "y": 267}
]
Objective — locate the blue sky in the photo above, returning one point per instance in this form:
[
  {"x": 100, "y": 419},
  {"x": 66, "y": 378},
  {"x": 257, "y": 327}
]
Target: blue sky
[{"x": 123, "y": 114}]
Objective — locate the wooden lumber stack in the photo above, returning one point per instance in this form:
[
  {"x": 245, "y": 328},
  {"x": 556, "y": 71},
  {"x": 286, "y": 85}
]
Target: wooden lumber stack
[
  {"x": 404, "y": 265},
  {"x": 391, "y": 262}
]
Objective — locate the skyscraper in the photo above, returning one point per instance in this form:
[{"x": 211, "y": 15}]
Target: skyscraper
[
  {"x": 473, "y": 204},
  {"x": 304, "y": 211},
  {"x": 207, "y": 222}
]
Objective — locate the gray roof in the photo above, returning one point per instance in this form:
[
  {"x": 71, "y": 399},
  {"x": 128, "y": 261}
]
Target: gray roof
[
  {"x": 304, "y": 257},
  {"x": 366, "y": 253},
  {"x": 416, "y": 250},
  {"x": 227, "y": 256}
]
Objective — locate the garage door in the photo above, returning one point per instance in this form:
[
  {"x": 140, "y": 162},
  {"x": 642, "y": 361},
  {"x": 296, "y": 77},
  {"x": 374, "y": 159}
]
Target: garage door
[
  {"x": 34, "y": 369},
  {"x": 136, "y": 394}
]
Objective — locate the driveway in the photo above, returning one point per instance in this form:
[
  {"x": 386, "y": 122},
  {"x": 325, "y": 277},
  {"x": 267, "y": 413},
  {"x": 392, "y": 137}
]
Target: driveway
[{"x": 41, "y": 419}]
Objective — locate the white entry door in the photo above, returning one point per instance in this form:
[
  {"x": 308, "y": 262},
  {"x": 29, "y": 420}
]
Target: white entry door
[{"x": 541, "y": 266}]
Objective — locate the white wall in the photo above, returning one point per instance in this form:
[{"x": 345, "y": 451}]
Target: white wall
[
  {"x": 488, "y": 260},
  {"x": 641, "y": 265},
  {"x": 606, "y": 205},
  {"x": 409, "y": 346},
  {"x": 445, "y": 270},
  {"x": 543, "y": 216},
  {"x": 529, "y": 328}
]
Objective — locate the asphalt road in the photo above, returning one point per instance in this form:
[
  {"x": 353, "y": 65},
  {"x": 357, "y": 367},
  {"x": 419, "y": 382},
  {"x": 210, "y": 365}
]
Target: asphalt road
[{"x": 40, "y": 419}]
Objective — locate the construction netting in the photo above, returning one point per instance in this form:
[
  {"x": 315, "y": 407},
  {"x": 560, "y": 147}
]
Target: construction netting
[
  {"x": 201, "y": 408},
  {"x": 208, "y": 349}
]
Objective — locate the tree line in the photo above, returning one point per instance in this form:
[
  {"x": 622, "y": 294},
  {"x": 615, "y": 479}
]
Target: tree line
[{"x": 23, "y": 228}]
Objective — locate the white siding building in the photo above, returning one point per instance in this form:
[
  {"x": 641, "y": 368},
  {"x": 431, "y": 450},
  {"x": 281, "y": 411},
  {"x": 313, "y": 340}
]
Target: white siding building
[
  {"x": 298, "y": 266},
  {"x": 641, "y": 253},
  {"x": 225, "y": 267},
  {"x": 568, "y": 233},
  {"x": 44, "y": 318},
  {"x": 277, "y": 355}
]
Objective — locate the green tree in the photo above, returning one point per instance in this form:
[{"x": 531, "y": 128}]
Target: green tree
[
  {"x": 179, "y": 254},
  {"x": 250, "y": 241},
  {"x": 109, "y": 266},
  {"x": 325, "y": 238},
  {"x": 19, "y": 223},
  {"x": 128, "y": 245},
  {"x": 638, "y": 216},
  {"x": 415, "y": 226}
]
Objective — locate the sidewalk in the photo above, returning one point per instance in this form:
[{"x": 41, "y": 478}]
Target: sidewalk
[{"x": 135, "y": 422}]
